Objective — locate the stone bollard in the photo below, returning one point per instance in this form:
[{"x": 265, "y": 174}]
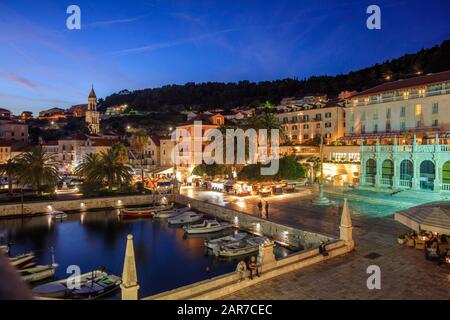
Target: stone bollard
[
  {"x": 266, "y": 255},
  {"x": 129, "y": 285},
  {"x": 346, "y": 227}
]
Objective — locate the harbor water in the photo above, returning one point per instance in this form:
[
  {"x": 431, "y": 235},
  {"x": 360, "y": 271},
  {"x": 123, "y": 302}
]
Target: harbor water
[{"x": 165, "y": 257}]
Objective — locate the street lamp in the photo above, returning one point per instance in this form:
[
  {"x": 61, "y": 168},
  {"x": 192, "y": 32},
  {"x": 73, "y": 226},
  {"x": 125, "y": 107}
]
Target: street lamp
[{"x": 321, "y": 200}]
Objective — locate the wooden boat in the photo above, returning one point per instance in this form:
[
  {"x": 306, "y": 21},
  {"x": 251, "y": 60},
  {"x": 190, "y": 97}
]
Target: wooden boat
[
  {"x": 37, "y": 273},
  {"x": 240, "y": 248},
  {"x": 58, "y": 215},
  {"x": 92, "y": 285},
  {"x": 170, "y": 213},
  {"x": 207, "y": 226},
  {"x": 24, "y": 260},
  {"x": 216, "y": 243},
  {"x": 186, "y": 217},
  {"x": 142, "y": 212}
]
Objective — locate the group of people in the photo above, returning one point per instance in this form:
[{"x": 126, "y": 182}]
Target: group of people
[
  {"x": 253, "y": 266},
  {"x": 260, "y": 209}
]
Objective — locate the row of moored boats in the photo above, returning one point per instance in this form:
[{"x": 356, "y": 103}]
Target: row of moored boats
[{"x": 240, "y": 243}]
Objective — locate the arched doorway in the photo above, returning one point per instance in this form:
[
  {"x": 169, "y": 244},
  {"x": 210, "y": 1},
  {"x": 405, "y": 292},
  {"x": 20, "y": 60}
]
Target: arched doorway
[
  {"x": 406, "y": 173},
  {"x": 446, "y": 176},
  {"x": 387, "y": 172},
  {"x": 427, "y": 175},
  {"x": 371, "y": 171}
]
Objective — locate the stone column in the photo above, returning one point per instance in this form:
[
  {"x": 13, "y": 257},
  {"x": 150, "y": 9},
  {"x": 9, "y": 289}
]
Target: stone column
[
  {"x": 437, "y": 164},
  {"x": 129, "y": 284},
  {"x": 266, "y": 256},
  {"x": 396, "y": 165},
  {"x": 346, "y": 227}
]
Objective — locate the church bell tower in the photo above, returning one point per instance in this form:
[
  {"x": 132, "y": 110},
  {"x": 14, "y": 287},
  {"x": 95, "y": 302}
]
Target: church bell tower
[{"x": 92, "y": 115}]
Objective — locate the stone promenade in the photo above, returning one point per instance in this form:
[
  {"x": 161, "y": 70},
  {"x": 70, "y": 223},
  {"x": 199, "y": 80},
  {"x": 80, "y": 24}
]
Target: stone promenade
[{"x": 405, "y": 274}]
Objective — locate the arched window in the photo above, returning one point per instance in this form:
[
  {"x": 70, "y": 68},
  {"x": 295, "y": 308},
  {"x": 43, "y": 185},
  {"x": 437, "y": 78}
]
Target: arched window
[
  {"x": 406, "y": 170},
  {"x": 427, "y": 175},
  {"x": 446, "y": 173},
  {"x": 371, "y": 168}
]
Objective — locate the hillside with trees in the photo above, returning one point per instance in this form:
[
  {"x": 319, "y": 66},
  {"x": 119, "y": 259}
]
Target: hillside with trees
[{"x": 197, "y": 96}]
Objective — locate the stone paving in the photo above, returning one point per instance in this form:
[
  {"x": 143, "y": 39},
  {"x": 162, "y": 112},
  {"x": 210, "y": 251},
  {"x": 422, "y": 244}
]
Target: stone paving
[{"x": 405, "y": 274}]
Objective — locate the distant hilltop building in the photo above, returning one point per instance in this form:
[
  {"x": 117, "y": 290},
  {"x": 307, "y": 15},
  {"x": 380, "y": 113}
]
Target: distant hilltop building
[
  {"x": 79, "y": 110},
  {"x": 53, "y": 114},
  {"x": 116, "y": 110},
  {"x": 5, "y": 114},
  {"x": 92, "y": 116}
]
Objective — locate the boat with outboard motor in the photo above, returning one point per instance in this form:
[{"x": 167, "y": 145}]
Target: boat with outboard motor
[
  {"x": 91, "y": 285},
  {"x": 216, "y": 243},
  {"x": 170, "y": 213},
  {"x": 207, "y": 226},
  {"x": 143, "y": 211},
  {"x": 186, "y": 217}
]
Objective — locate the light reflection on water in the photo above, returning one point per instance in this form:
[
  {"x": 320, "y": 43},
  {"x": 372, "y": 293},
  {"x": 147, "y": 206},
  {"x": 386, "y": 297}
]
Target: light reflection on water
[{"x": 165, "y": 257}]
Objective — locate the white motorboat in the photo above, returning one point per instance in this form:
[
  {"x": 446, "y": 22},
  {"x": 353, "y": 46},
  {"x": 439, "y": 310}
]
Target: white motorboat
[
  {"x": 240, "y": 248},
  {"x": 206, "y": 226},
  {"x": 186, "y": 217},
  {"x": 59, "y": 215},
  {"x": 24, "y": 260},
  {"x": 37, "y": 273},
  {"x": 216, "y": 243},
  {"x": 91, "y": 285},
  {"x": 170, "y": 213}
]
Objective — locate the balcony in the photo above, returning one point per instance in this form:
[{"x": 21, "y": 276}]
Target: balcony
[{"x": 401, "y": 97}]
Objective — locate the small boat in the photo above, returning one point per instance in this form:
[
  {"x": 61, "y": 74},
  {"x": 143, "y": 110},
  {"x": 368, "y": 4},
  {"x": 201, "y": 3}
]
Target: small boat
[
  {"x": 59, "y": 215},
  {"x": 186, "y": 217},
  {"x": 37, "y": 273},
  {"x": 240, "y": 248},
  {"x": 216, "y": 243},
  {"x": 143, "y": 212},
  {"x": 24, "y": 260},
  {"x": 206, "y": 226},
  {"x": 170, "y": 213},
  {"x": 92, "y": 285}
]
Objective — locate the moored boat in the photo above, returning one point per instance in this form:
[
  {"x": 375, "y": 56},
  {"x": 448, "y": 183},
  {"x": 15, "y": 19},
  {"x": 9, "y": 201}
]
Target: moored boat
[
  {"x": 216, "y": 243},
  {"x": 170, "y": 213},
  {"x": 206, "y": 226},
  {"x": 24, "y": 260},
  {"x": 59, "y": 215},
  {"x": 37, "y": 273},
  {"x": 240, "y": 248},
  {"x": 142, "y": 212},
  {"x": 186, "y": 217},
  {"x": 92, "y": 285}
]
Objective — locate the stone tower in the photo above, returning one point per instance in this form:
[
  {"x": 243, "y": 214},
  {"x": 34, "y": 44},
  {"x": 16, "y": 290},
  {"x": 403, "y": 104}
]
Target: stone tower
[{"x": 92, "y": 115}]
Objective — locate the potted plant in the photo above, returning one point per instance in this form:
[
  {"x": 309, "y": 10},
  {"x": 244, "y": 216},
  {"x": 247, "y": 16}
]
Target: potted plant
[{"x": 401, "y": 239}]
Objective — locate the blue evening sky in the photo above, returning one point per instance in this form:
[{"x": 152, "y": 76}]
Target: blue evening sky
[{"x": 138, "y": 44}]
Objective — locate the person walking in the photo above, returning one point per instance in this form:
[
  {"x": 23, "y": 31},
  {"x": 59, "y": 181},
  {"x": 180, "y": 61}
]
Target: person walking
[
  {"x": 260, "y": 208},
  {"x": 267, "y": 210}
]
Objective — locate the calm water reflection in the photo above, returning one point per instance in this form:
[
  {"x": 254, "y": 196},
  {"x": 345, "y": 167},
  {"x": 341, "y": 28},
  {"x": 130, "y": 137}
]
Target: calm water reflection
[{"x": 165, "y": 258}]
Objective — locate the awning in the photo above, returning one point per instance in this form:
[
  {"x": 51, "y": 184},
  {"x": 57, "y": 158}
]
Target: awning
[
  {"x": 431, "y": 218},
  {"x": 373, "y": 136}
]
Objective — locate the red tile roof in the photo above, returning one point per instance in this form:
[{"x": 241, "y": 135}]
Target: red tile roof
[{"x": 407, "y": 83}]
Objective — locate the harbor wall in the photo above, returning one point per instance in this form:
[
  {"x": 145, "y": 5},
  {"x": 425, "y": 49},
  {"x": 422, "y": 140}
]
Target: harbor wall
[
  {"x": 280, "y": 233},
  {"x": 82, "y": 204},
  {"x": 223, "y": 285}
]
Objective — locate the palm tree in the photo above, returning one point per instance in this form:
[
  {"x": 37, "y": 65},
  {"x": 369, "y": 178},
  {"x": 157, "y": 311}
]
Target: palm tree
[
  {"x": 113, "y": 170},
  {"x": 38, "y": 168},
  {"x": 106, "y": 167},
  {"x": 10, "y": 168},
  {"x": 122, "y": 152},
  {"x": 90, "y": 168}
]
